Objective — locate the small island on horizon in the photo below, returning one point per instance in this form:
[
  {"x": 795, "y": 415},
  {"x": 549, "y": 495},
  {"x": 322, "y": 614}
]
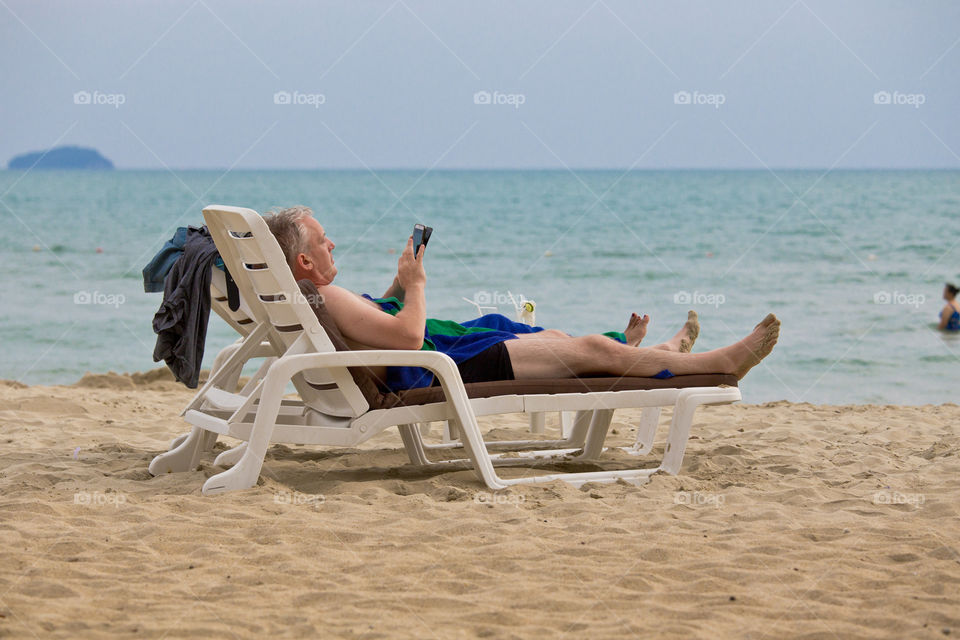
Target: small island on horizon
[{"x": 61, "y": 158}]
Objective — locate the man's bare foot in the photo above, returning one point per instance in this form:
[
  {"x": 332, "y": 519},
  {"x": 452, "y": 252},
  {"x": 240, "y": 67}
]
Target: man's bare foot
[
  {"x": 690, "y": 331},
  {"x": 748, "y": 353},
  {"x": 636, "y": 329},
  {"x": 684, "y": 339}
]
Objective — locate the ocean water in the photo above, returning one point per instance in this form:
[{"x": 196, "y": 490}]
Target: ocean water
[{"x": 853, "y": 262}]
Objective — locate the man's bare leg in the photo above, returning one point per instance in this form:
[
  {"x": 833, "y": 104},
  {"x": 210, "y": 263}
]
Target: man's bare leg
[
  {"x": 636, "y": 329},
  {"x": 684, "y": 339},
  {"x": 546, "y": 334},
  {"x": 635, "y": 332},
  {"x": 598, "y": 355}
]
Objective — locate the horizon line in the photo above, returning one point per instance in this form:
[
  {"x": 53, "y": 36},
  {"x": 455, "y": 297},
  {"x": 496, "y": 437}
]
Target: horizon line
[{"x": 556, "y": 169}]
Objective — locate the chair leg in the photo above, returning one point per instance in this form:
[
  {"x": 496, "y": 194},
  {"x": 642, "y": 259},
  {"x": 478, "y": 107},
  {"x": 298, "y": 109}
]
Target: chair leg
[
  {"x": 230, "y": 457},
  {"x": 185, "y": 450},
  {"x": 476, "y": 451},
  {"x": 186, "y": 455},
  {"x": 256, "y": 377},
  {"x": 581, "y": 425},
  {"x": 176, "y": 441},
  {"x": 687, "y": 403},
  {"x": 679, "y": 433},
  {"x": 244, "y": 474},
  {"x": 207, "y": 441},
  {"x": 646, "y": 432},
  {"x": 413, "y": 444},
  {"x": 566, "y": 423},
  {"x": 450, "y": 432},
  {"x": 538, "y": 423},
  {"x": 599, "y": 425}
]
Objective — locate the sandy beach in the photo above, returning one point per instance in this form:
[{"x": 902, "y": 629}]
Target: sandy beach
[{"x": 788, "y": 520}]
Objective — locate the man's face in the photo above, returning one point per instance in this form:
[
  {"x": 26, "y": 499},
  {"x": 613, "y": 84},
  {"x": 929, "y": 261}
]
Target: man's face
[{"x": 318, "y": 259}]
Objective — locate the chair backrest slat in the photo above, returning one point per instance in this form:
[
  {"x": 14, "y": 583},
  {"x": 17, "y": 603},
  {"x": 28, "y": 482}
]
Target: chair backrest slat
[{"x": 242, "y": 319}]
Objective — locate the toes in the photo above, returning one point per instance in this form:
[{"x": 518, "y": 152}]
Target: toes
[
  {"x": 692, "y": 326},
  {"x": 768, "y": 321},
  {"x": 637, "y": 321}
]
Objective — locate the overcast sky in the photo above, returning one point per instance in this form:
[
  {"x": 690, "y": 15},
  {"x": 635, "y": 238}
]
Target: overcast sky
[{"x": 253, "y": 84}]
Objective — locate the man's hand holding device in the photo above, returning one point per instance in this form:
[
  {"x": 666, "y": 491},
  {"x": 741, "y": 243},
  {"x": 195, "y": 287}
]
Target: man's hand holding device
[{"x": 421, "y": 236}]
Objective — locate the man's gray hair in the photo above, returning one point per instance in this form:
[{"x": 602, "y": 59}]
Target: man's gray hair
[{"x": 286, "y": 226}]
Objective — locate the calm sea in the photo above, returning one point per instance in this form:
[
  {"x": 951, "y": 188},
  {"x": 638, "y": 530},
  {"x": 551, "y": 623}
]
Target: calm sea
[{"x": 852, "y": 262}]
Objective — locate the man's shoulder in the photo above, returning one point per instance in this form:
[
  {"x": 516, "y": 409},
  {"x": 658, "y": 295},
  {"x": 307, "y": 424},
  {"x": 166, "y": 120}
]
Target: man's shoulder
[
  {"x": 307, "y": 285},
  {"x": 330, "y": 295},
  {"x": 334, "y": 291}
]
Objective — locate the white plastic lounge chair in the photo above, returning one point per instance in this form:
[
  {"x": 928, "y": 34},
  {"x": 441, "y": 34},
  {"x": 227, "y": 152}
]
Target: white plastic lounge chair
[
  {"x": 335, "y": 411},
  {"x": 186, "y": 457},
  {"x": 185, "y": 450}
]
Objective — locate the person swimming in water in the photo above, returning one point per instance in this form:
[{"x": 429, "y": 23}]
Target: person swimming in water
[{"x": 950, "y": 315}]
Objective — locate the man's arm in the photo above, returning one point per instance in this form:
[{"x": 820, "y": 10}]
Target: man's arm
[
  {"x": 364, "y": 323},
  {"x": 395, "y": 290}
]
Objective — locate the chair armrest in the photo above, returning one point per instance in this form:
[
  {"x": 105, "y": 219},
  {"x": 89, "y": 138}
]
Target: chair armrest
[
  {"x": 376, "y": 357},
  {"x": 439, "y": 363}
]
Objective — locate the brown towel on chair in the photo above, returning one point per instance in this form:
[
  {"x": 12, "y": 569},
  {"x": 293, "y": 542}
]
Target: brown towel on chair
[{"x": 362, "y": 376}]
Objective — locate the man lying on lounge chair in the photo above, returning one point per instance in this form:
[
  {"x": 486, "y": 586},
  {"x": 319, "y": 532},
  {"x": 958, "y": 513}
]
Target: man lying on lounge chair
[{"x": 492, "y": 347}]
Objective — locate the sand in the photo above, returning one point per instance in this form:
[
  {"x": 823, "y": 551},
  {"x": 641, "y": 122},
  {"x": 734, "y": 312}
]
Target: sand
[{"x": 787, "y": 520}]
